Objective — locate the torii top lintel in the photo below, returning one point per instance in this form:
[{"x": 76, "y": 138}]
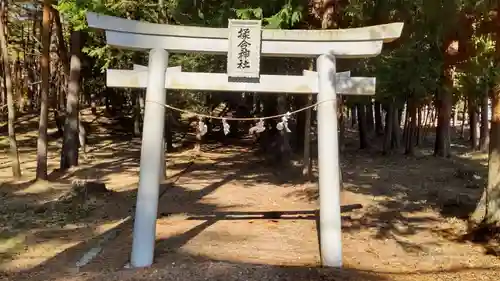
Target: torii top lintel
[{"x": 343, "y": 43}]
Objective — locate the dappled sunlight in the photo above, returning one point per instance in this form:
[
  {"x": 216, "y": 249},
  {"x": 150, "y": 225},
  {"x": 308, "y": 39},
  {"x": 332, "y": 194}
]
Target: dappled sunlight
[
  {"x": 478, "y": 157},
  {"x": 357, "y": 186},
  {"x": 29, "y": 249},
  {"x": 407, "y": 205},
  {"x": 254, "y": 247},
  {"x": 41, "y": 188},
  {"x": 240, "y": 240},
  {"x": 11, "y": 245},
  {"x": 228, "y": 210},
  {"x": 35, "y": 256},
  {"x": 227, "y": 205},
  {"x": 232, "y": 110}
]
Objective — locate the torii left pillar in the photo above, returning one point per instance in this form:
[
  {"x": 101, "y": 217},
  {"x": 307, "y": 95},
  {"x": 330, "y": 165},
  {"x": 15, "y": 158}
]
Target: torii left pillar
[{"x": 152, "y": 155}]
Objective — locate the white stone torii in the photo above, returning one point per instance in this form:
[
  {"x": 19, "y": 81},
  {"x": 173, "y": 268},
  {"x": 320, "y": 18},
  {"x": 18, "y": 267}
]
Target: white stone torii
[{"x": 326, "y": 45}]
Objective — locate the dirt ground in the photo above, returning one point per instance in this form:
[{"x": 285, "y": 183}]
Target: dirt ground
[{"x": 228, "y": 215}]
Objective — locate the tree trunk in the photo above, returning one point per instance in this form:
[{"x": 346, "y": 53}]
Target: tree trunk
[
  {"x": 169, "y": 138},
  {"x": 402, "y": 112},
  {"x": 63, "y": 58},
  {"x": 455, "y": 117},
  {"x": 432, "y": 119},
  {"x": 379, "y": 127},
  {"x": 16, "y": 82},
  {"x": 488, "y": 208},
  {"x": 473, "y": 139},
  {"x": 306, "y": 162},
  {"x": 412, "y": 128},
  {"x": 69, "y": 152},
  {"x": 425, "y": 123},
  {"x": 340, "y": 114},
  {"x": 63, "y": 50},
  {"x": 420, "y": 125},
  {"x": 363, "y": 138},
  {"x": 37, "y": 33},
  {"x": 285, "y": 147},
  {"x": 30, "y": 77},
  {"x": 396, "y": 129},
  {"x": 3, "y": 92},
  {"x": 169, "y": 133},
  {"x": 370, "y": 126},
  {"x": 444, "y": 102},
  {"x": 354, "y": 116},
  {"x": 406, "y": 123},
  {"x": 462, "y": 125},
  {"x": 14, "y": 154},
  {"x": 41, "y": 164},
  {"x": 484, "y": 138},
  {"x": 137, "y": 111},
  {"x": 389, "y": 123}
]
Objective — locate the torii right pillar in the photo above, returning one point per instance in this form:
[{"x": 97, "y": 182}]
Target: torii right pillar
[{"x": 328, "y": 164}]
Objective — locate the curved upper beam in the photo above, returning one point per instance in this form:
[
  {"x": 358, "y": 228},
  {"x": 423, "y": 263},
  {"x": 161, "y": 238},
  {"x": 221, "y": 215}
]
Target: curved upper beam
[
  {"x": 176, "y": 44},
  {"x": 385, "y": 32}
]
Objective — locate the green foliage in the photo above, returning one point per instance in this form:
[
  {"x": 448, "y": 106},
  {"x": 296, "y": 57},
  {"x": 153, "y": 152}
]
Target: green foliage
[
  {"x": 286, "y": 18},
  {"x": 412, "y": 67},
  {"x": 288, "y": 14},
  {"x": 249, "y": 13},
  {"x": 73, "y": 12},
  {"x": 479, "y": 71}
]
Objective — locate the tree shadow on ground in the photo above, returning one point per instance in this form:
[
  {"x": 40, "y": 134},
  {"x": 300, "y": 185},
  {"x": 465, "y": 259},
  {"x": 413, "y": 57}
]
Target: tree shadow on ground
[
  {"x": 184, "y": 266},
  {"x": 53, "y": 268},
  {"x": 405, "y": 188},
  {"x": 39, "y": 210},
  {"x": 50, "y": 218},
  {"x": 404, "y": 185},
  {"x": 399, "y": 185},
  {"x": 175, "y": 202},
  {"x": 173, "y": 263},
  {"x": 24, "y": 124}
]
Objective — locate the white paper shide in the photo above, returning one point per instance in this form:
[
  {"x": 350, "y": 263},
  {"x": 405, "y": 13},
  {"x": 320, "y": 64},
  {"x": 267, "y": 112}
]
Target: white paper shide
[{"x": 243, "y": 57}]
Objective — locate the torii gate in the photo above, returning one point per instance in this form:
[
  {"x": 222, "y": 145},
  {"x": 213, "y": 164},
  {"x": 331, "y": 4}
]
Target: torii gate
[{"x": 244, "y": 42}]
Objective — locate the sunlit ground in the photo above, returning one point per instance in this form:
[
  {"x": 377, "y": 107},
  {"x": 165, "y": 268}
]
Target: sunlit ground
[{"x": 231, "y": 206}]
